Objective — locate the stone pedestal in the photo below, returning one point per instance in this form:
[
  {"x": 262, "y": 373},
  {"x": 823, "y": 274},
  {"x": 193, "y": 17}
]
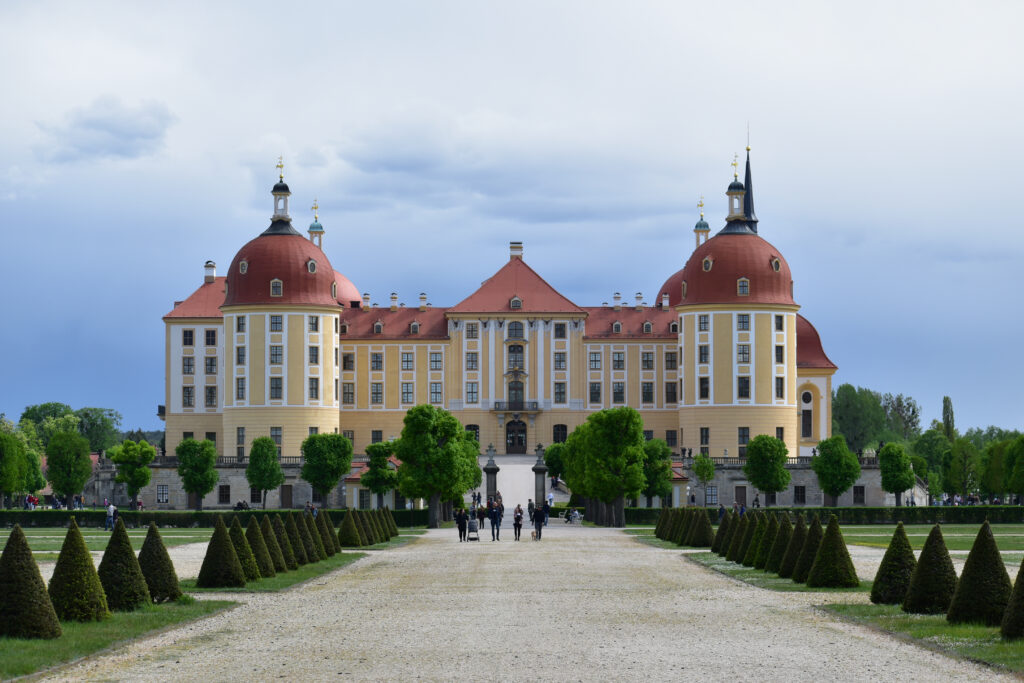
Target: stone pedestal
[
  {"x": 540, "y": 472},
  {"x": 491, "y": 474}
]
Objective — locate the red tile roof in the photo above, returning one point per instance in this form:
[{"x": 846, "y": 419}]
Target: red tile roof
[
  {"x": 283, "y": 257},
  {"x": 809, "y": 353},
  {"x": 358, "y": 468},
  {"x": 679, "y": 472},
  {"x": 433, "y": 324},
  {"x": 601, "y": 318},
  {"x": 515, "y": 278},
  {"x": 203, "y": 303}
]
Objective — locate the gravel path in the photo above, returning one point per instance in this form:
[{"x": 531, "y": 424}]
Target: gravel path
[{"x": 584, "y": 604}]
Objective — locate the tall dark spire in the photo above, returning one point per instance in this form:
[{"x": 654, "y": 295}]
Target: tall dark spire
[{"x": 748, "y": 198}]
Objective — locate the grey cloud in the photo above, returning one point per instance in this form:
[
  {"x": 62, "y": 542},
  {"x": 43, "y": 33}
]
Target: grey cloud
[{"x": 107, "y": 128}]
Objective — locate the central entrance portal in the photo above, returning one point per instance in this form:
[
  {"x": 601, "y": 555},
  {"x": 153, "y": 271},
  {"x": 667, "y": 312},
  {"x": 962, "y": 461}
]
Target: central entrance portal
[{"x": 515, "y": 437}]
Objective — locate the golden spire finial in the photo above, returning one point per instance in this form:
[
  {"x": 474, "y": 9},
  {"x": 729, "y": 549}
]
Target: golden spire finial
[
  {"x": 315, "y": 207},
  {"x": 280, "y": 168},
  {"x": 735, "y": 167},
  {"x": 700, "y": 205}
]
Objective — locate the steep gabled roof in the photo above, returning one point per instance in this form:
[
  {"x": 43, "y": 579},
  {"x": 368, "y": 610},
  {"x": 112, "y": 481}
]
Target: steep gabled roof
[
  {"x": 203, "y": 303},
  {"x": 515, "y": 278}
]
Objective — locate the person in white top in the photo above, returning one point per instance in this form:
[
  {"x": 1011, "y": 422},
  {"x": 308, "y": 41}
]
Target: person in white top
[{"x": 109, "y": 524}]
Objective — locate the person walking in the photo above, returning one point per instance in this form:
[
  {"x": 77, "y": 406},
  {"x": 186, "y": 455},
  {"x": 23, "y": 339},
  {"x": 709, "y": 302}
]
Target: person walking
[
  {"x": 495, "y": 517},
  {"x": 538, "y": 523},
  {"x": 530, "y": 507},
  {"x": 481, "y": 515},
  {"x": 109, "y": 524},
  {"x": 721, "y": 512},
  {"x": 461, "y": 519},
  {"x": 545, "y": 512},
  {"x": 517, "y": 520}
]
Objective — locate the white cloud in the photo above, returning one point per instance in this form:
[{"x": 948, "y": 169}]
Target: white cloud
[{"x": 106, "y": 129}]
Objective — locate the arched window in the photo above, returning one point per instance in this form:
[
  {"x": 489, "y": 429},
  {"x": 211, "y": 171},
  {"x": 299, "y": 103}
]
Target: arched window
[
  {"x": 647, "y": 328},
  {"x": 515, "y": 330},
  {"x": 776, "y": 264},
  {"x": 516, "y": 303},
  {"x": 243, "y": 267},
  {"x": 334, "y": 290},
  {"x": 344, "y": 328},
  {"x": 616, "y": 327},
  {"x": 674, "y": 328},
  {"x": 414, "y": 328},
  {"x": 684, "y": 289},
  {"x": 378, "y": 327},
  {"x": 311, "y": 266},
  {"x": 743, "y": 287},
  {"x": 806, "y": 416},
  {"x": 276, "y": 288},
  {"x": 515, "y": 357},
  {"x": 560, "y": 434},
  {"x": 707, "y": 264}
]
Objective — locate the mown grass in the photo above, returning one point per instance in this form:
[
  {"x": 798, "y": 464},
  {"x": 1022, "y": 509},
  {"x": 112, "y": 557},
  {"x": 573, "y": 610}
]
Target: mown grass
[
  {"x": 284, "y": 580},
  {"x": 980, "y": 643},
  {"x": 20, "y": 657},
  {"x": 1009, "y": 537},
  {"x": 46, "y": 543},
  {"x": 763, "y": 579}
]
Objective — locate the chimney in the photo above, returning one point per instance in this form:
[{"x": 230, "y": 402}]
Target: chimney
[
  {"x": 617, "y": 298},
  {"x": 639, "y": 301},
  {"x": 664, "y": 300},
  {"x": 423, "y": 301},
  {"x": 366, "y": 301},
  {"x": 209, "y": 272},
  {"x": 394, "y": 302},
  {"x": 515, "y": 250}
]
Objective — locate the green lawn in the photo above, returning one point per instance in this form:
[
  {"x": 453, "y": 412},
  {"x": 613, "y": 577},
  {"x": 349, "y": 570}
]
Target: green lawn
[
  {"x": 20, "y": 657},
  {"x": 974, "y": 642},
  {"x": 284, "y": 580},
  {"x": 46, "y": 543},
  {"x": 957, "y": 536},
  {"x": 762, "y": 579}
]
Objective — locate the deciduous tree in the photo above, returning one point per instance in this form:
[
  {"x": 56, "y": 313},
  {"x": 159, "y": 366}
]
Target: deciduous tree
[
  {"x": 264, "y": 469},
  {"x": 657, "y": 470},
  {"x": 67, "y": 463},
  {"x": 858, "y": 415},
  {"x": 326, "y": 457},
  {"x": 101, "y": 426},
  {"x": 13, "y": 465},
  {"x": 614, "y": 458},
  {"x": 766, "y": 464},
  {"x": 836, "y": 467},
  {"x": 132, "y": 460},
  {"x": 379, "y": 477},
  {"x": 897, "y": 473},
  {"x": 197, "y": 467},
  {"x": 704, "y": 470}
]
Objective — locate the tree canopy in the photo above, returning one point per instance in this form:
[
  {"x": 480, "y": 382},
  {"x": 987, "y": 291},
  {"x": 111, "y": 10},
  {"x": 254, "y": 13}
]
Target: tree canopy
[
  {"x": 933, "y": 446},
  {"x": 903, "y": 416},
  {"x": 132, "y": 460},
  {"x": 40, "y": 412},
  {"x": 836, "y": 467},
  {"x": 197, "y": 467},
  {"x": 101, "y": 426},
  {"x": 325, "y": 458},
  {"x": 657, "y": 469},
  {"x": 858, "y": 415},
  {"x": 960, "y": 469},
  {"x": 896, "y": 470},
  {"x": 67, "y": 463},
  {"x": 264, "y": 469},
  {"x": 13, "y": 465},
  {"x": 766, "y": 464},
  {"x": 379, "y": 478},
  {"x": 554, "y": 458},
  {"x": 704, "y": 470},
  {"x": 948, "y": 422}
]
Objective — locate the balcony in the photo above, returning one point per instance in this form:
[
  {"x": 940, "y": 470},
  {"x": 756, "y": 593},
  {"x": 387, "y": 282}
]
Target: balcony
[{"x": 516, "y": 406}]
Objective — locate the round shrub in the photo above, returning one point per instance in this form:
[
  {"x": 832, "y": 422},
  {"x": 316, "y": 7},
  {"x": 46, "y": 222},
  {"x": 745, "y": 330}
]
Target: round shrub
[
  {"x": 75, "y": 588},
  {"x": 157, "y": 568},
  {"x": 832, "y": 566},
  {"x": 25, "y": 607},
  {"x": 893, "y": 576},
  {"x": 934, "y": 580},
  {"x": 810, "y": 551},
  {"x": 258, "y": 545},
  {"x": 984, "y": 587},
  {"x": 221, "y": 568},
  {"x": 121, "y": 575},
  {"x": 793, "y": 548}
]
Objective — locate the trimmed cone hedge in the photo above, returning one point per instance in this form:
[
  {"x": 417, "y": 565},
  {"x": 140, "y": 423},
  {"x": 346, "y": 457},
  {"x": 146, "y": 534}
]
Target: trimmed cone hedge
[
  {"x": 317, "y": 549},
  {"x": 765, "y": 547},
  {"x": 810, "y": 551},
  {"x": 382, "y": 520},
  {"x": 348, "y": 535},
  {"x": 832, "y": 566},
  {"x": 391, "y": 521},
  {"x": 121, "y": 575},
  {"x": 25, "y": 607},
  {"x": 779, "y": 545},
  {"x": 723, "y": 529},
  {"x": 284, "y": 543},
  {"x": 325, "y": 536},
  {"x": 737, "y": 539},
  {"x": 157, "y": 568},
  {"x": 893, "y": 576},
  {"x": 796, "y": 544},
  {"x": 934, "y": 580},
  {"x": 750, "y": 552},
  {"x": 221, "y": 567},
  {"x": 294, "y": 537},
  {"x": 244, "y": 551},
  {"x": 672, "y": 525},
  {"x": 703, "y": 535},
  {"x": 331, "y": 531},
  {"x": 75, "y": 588},
  {"x": 730, "y": 533},
  {"x": 691, "y": 525},
  {"x": 273, "y": 547},
  {"x": 364, "y": 528},
  {"x": 1012, "y": 627},
  {"x": 258, "y": 545},
  {"x": 360, "y": 529},
  {"x": 984, "y": 588},
  {"x": 661, "y": 522}
]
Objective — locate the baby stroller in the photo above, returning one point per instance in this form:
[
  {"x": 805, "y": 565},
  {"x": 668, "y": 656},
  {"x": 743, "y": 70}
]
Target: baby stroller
[{"x": 473, "y": 531}]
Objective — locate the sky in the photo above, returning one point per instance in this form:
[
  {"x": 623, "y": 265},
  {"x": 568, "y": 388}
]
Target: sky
[{"x": 138, "y": 140}]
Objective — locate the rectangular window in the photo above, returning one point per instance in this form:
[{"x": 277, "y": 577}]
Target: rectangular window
[
  {"x": 778, "y": 323},
  {"x": 277, "y": 436},
  {"x": 799, "y": 494},
  {"x": 647, "y": 360},
  {"x": 240, "y": 355},
  {"x": 255, "y": 495},
  {"x": 314, "y": 355},
  {"x": 647, "y": 392},
  {"x": 211, "y": 337},
  {"x": 407, "y": 361},
  {"x": 187, "y": 435},
  {"x": 224, "y": 494},
  {"x": 276, "y": 354},
  {"x": 559, "y": 392},
  {"x": 335, "y": 357},
  {"x": 276, "y": 388},
  {"x": 743, "y": 438},
  {"x": 705, "y": 436},
  {"x": 364, "y": 499},
  {"x": 705, "y": 387},
  {"x": 376, "y": 435},
  {"x": 742, "y": 387},
  {"x": 349, "y": 434},
  {"x": 240, "y": 324},
  {"x": 806, "y": 423},
  {"x": 671, "y": 438},
  {"x": 240, "y": 442},
  {"x": 780, "y": 354},
  {"x": 436, "y": 394},
  {"x": 471, "y": 393},
  {"x": 162, "y": 493},
  {"x": 743, "y": 353},
  {"x": 559, "y": 360},
  {"x": 702, "y": 322},
  {"x": 780, "y": 433},
  {"x": 618, "y": 392},
  {"x": 211, "y": 365},
  {"x": 276, "y": 323},
  {"x": 595, "y": 392},
  {"x": 711, "y": 495},
  {"x": 703, "y": 353},
  {"x": 471, "y": 360},
  {"x": 187, "y": 337},
  {"x": 212, "y": 437},
  {"x": 780, "y": 387},
  {"x": 515, "y": 357},
  {"x": 670, "y": 360},
  {"x": 858, "y": 495},
  {"x": 335, "y": 391},
  {"x": 240, "y": 388},
  {"x": 618, "y": 360},
  {"x": 314, "y": 387},
  {"x": 348, "y": 361},
  {"x": 743, "y": 321},
  {"x": 559, "y": 330},
  {"x": 376, "y": 361},
  {"x": 314, "y": 323},
  {"x": 559, "y": 434},
  {"x": 472, "y": 330},
  {"x": 595, "y": 360},
  {"x": 670, "y": 392},
  {"x": 648, "y": 434},
  {"x": 408, "y": 392},
  {"x": 188, "y": 365},
  {"x": 377, "y": 392},
  {"x": 211, "y": 397},
  {"x": 348, "y": 393},
  {"x": 435, "y": 361}
]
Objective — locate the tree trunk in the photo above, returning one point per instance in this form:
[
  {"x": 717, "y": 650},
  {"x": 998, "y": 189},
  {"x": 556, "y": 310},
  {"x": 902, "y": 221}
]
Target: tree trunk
[
  {"x": 899, "y": 498},
  {"x": 135, "y": 501},
  {"x": 380, "y": 499},
  {"x": 620, "y": 512},
  {"x": 434, "y": 510},
  {"x": 650, "y": 501},
  {"x": 264, "y": 499}
]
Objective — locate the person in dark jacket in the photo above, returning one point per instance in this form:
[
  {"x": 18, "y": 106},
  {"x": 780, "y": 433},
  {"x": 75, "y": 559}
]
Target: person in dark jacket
[
  {"x": 495, "y": 516},
  {"x": 481, "y": 515},
  {"x": 461, "y": 519},
  {"x": 517, "y": 520},
  {"x": 538, "y": 522}
]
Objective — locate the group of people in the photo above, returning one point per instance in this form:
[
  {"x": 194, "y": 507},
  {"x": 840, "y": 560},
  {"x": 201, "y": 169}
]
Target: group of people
[{"x": 494, "y": 511}]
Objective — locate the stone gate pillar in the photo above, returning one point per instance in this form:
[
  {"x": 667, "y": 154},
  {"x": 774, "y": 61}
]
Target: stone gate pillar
[
  {"x": 491, "y": 473},
  {"x": 540, "y": 473}
]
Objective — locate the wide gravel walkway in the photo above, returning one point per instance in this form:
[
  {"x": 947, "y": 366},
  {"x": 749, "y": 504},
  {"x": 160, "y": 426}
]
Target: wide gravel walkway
[{"x": 584, "y": 604}]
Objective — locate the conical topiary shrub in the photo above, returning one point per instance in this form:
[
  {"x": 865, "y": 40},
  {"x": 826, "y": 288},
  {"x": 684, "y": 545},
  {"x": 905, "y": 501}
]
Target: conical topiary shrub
[
  {"x": 750, "y": 553},
  {"x": 688, "y": 521},
  {"x": 765, "y": 547},
  {"x": 75, "y": 588},
  {"x": 244, "y": 551},
  {"x": 723, "y": 527},
  {"x": 810, "y": 551},
  {"x": 662, "y": 516},
  {"x": 332, "y": 530},
  {"x": 363, "y": 540},
  {"x": 25, "y": 607},
  {"x": 121, "y": 575},
  {"x": 258, "y": 545},
  {"x": 703, "y": 534},
  {"x": 779, "y": 545},
  {"x": 391, "y": 521},
  {"x": 295, "y": 538},
  {"x": 748, "y": 535},
  {"x": 382, "y": 520},
  {"x": 314, "y": 533},
  {"x": 893, "y": 576},
  {"x": 984, "y": 587},
  {"x": 308, "y": 544},
  {"x": 793, "y": 548},
  {"x": 348, "y": 535},
  {"x": 371, "y": 536},
  {"x": 730, "y": 533},
  {"x": 737, "y": 539},
  {"x": 686, "y": 518},
  {"x": 672, "y": 526},
  {"x": 325, "y": 536},
  {"x": 284, "y": 543},
  {"x": 1012, "y": 627},
  {"x": 157, "y": 568},
  {"x": 273, "y": 547},
  {"x": 832, "y": 566},
  {"x": 934, "y": 579},
  {"x": 221, "y": 568}
]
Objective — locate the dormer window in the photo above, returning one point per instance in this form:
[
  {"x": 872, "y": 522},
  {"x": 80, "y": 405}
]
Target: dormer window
[
  {"x": 414, "y": 328},
  {"x": 647, "y": 328},
  {"x": 378, "y": 327},
  {"x": 276, "y": 287},
  {"x": 516, "y": 303},
  {"x": 673, "y": 328},
  {"x": 684, "y": 289},
  {"x": 243, "y": 267},
  {"x": 707, "y": 264},
  {"x": 776, "y": 264},
  {"x": 743, "y": 287},
  {"x": 616, "y": 327},
  {"x": 344, "y": 328},
  {"x": 311, "y": 266},
  {"x": 334, "y": 290}
]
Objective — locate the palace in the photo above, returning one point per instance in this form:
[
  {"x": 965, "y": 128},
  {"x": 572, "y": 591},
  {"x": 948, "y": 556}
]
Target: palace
[{"x": 285, "y": 346}]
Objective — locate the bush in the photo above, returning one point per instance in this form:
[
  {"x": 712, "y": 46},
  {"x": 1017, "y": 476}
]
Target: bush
[
  {"x": 273, "y": 547},
  {"x": 893, "y": 576},
  {"x": 934, "y": 580},
  {"x": 793, "y": 548},
  {"x": 686, "y": 516},
  {"x": 244, "y": 551},
  {"x": 258, "y": 545},
  {"x": 384, "y": 524},
  {"x": 391, "y": 521},
  {"x": 371, "y": 533},
  {"x": 121, "y": 575},
  {"x": 331, "y": 531},
  {"x": 730, "y": 533},
  {"x": 221, "y": 567},
  {"x": 673, "y": 524},
  {"x": 810, "y": 551},
  {"x": 750, "y": 549},
  {"x": 320, "y": 525},
  {"x": 1012, "y": 627},
  {"x": 378, "y": 530},
  {"x": 25, "y": 607},
  {"x": 736, "y": 545},
  {"x": 294, "y": 537},
  {"x": 764, "y": 549},
  {"x": 703, "y": 535},
  {"x": 984, "y": 588},
  {"x": 314, "y": 535},
  {"x": 75, "y": 588},
  {"x": 284, "y": 543},
  {"x": 348, "y": 535},
  {"x": 157, "y": 568},
  {"x": 661, "y": 522},
  {"x": 832, "y": 566},
  {"x": 780, "y": 544},
  {"x": 721, "y": 533}
]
